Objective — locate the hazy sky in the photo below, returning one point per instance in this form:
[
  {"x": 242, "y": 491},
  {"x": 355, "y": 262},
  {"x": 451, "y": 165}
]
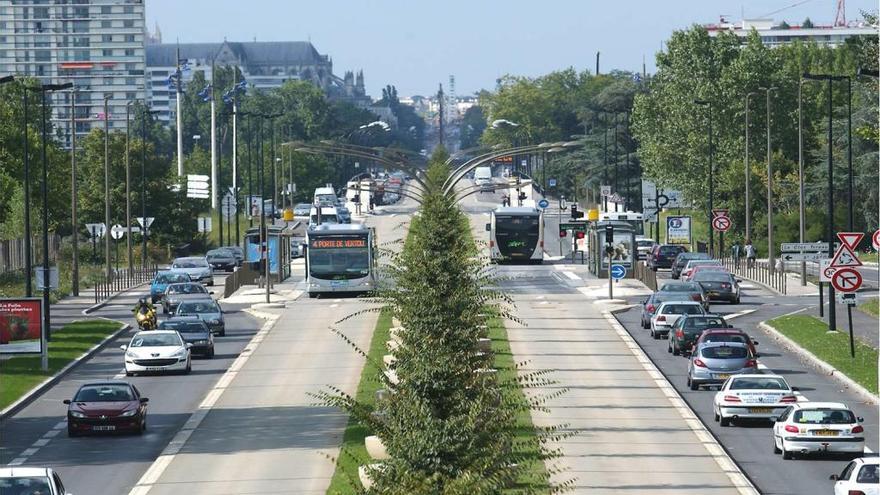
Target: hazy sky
[{"x": 415, "y": 44}]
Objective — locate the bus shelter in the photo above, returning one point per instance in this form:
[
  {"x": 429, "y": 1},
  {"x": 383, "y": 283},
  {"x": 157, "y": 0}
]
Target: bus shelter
[
  {"x": 623, "y": 243},
  {"x": 277, "y": 243}
]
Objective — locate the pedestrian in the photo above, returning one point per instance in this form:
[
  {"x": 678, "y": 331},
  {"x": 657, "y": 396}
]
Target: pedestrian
[
  {"x": 736, "y": 252},
  {"x": 750, "y": 254}
]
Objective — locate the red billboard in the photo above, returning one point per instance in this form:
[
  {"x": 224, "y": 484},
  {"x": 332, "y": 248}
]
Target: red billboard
[{"x": 21, "y": 326}]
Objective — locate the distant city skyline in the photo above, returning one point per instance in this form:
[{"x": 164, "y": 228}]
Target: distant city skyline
[{"x": 417, "y": 46}]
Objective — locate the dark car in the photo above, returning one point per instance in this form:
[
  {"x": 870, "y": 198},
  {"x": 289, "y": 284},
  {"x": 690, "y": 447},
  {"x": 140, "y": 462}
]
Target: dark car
[
  {"x": 682, "y": 259},
  {"x": 221, "y": 259},
  {"x": 343, "y": 214},
  {"x": 177, "y": 293},
  {"x": 687, "y": 329},
  {"x": 238, "y": 252},
  {"x": 719, "y": 286},
  {"x": 208, "y": 311},
  {"x": 663, "y": 255},
  {"x": 650, "y": 305},
  {"x": 112, "y": 406},
  {"x": 193, "y": 331},
  {"x": 694, "y": 291},
  {"x": 161, "y": 282},
  {"x": 727, "y": 335}
]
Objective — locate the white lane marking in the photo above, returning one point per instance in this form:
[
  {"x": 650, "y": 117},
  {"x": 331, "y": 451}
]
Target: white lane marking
[
  {"x": 17, "y": 461},
  {"x": 152, "y": 475},
  {"x": 51, "y": 433},
  {"x": 571, "y": 276},
  {"x": 733, "y": 472},
  {"x": 29, "y": 452},
  {"x": 60, "y": 426},
  {"x": 334, "y": 305},
  {"x": 741, "y": 313},
  {"x": 41, "y": 442}
]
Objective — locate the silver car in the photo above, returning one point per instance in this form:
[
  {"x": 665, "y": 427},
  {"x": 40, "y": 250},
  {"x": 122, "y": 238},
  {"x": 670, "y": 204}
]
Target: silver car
[
  {"x": 715, "y": 362},
  {"x": 197, "y": 267},
  {"x": 178, "y": 293},
  {"x": 206, "y": 310}
]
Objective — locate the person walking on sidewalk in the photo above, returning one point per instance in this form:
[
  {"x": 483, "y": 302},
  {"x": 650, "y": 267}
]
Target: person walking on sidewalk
[
  {"x": 750, "y": 254},
  {"x": 736, "y": 252}
]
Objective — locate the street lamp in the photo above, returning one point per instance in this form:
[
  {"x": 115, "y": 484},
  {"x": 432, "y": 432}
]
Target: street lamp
[
  {"x": 128, "y": 184},
  {"x": 146, "y": 113},
  {"x": 748, "y": 174},
  {"x": 708, "y": 105},
  {"x": 771, "y": 261},
  {"x": 74, "y": 283},
  {"x": 107, "y": 235}
]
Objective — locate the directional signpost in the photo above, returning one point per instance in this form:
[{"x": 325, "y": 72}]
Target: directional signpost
[
  {"x": 618, "y": 272},
  {"x": 543, "y": 203},
  {"x": 846, "y": 279},
  {"x": 197, "y": 186},
  {"x": 804, "y": 251}
]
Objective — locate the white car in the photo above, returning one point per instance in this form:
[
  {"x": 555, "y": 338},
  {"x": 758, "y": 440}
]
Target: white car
[
  {"x": 159, "y": 351},
  {"x": 644, "y": 247},
  {"x": 667, "y": 314},
  {"x": 752, "y": 397},
  {"x": 818, "y": 427},
  {"x": 14, "y": 480},
  {"x": 862, "y": 475}
]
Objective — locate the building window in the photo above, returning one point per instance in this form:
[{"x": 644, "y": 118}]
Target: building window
[
  {"x": 129, "y": 38},
  {"x": 106, "y": 24},
  {"x": 128, "y": 9},
  {"x": 108, "y": 81},
  {"x": 81, "y": 12},
  {"x": 128, "y": 23},
  {"x": 131, "y": 81},
  {"x": 42, "y": 55},
  {"x": 105, "y": 9},
  {"x": 107, "y": 53},
  {"x": 130, "y": 96},
  {"x": 107, "y": 38},
  {"x": 129, "y": 52}
]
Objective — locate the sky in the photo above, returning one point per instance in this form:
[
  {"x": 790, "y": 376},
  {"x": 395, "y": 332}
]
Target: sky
[{"x": 416, "y": 45}]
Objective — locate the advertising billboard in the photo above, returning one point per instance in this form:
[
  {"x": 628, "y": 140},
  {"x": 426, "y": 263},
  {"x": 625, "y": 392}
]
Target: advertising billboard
[
  {"x": 21, "y": 326},
  {"x": 678, "y": 230}
]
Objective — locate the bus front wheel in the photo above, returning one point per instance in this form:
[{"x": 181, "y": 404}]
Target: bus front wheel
[{"x": 313, "y": 295}]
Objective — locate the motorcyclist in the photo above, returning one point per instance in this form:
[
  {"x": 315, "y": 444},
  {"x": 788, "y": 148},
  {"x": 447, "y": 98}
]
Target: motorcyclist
[{"x": 146, "y": 308}]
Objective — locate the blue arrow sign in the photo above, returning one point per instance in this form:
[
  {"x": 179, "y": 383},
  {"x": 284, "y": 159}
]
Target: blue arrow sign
[
  {"x": 618, "y": 272},
  {"x": 543, "y": 203}
]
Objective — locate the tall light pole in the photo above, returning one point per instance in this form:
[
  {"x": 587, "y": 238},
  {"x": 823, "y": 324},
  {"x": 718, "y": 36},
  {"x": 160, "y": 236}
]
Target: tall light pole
[
  {"x": 128, "y": 184},
  {"x": 146, "y": 113},
  {"x": 109, "y": 267},
  {"x": 178, "y": 83},
  {"x": 28, "y": 235},
  {"x": 708, "y": 105},
  {"x": 748, "y": 174},
  {"x": 74, "y": 228},
  {"x": 801, "y": 191},
  {"x": 771, "y": 259}
]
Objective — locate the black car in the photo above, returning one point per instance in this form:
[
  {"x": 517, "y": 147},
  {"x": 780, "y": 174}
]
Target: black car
[
  {"x": 663, "y": 255},
  {"x": 682, "y": 260},
  {"x": 691, "y": 290},
  {"x": 193, "y": 331},
  {"x": 222, "y": 259},
  {"x": 719, "y": 286},
  {"x": 238, "y": 252}
]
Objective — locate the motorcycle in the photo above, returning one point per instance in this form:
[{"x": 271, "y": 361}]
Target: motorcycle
[{"x": 146, "y": 318}]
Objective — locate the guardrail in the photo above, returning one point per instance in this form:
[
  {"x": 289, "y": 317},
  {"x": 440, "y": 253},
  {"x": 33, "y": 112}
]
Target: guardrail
[
  {"x": 757, "y": 271},
  {"x": 122, "y": 280}
]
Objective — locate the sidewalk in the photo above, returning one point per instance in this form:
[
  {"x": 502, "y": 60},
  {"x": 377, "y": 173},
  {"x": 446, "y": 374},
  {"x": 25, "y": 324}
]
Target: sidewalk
[{"x": 864, "y": 325}]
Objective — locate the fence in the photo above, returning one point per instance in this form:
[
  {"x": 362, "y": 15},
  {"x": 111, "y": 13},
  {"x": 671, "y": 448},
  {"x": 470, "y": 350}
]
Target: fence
[
  {"x": 645, "y": 275},
  {"x": 122, "y": 280},
  {"x": 758, "y": 271},
  {"x": 12, "y": 252},
  {"x": 243, "y": 276}
]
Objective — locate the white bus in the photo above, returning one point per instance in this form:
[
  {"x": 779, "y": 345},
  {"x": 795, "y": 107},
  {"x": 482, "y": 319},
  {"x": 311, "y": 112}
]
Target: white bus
[
  {"x": 340, "y": 258},
  {"x": 637, "y": 220},
  {"x": 325, "y": 196},
  {"x": 516, "y": 234}
]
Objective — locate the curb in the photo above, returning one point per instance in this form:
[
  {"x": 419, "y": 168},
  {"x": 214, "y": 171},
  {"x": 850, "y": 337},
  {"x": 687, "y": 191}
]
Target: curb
[
  {"x": 48, "y": 383},
  {"x": 95, "y": 307},
  {"x": 826, "y": 368}
]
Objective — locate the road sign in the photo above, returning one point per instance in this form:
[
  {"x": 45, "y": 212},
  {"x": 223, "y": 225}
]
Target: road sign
[
  {"x": 543, "y": 203},
  {"x": 826, "y": 271},
  {"x": 40, "y": 278},
  {"x": 615, "y": 198},
  {"x": 551, "y": 182},
  {"x": 117, "y": 231},
  {"x": 846, "y": 280},
  {"x": 197, "y": 186},
  {"x": 96, "y": 229},
  {"x": 844, "y": 256},
  {"x": 605, "y": 190},
  {"x": 875, "y": 240},
  {"x": 804, "y": 247},
  {"x": 848, "y": 298},
  {"x": 720, "y": 212},
  {"x": 789, "y": 256},
  {"x": 721, "y": 224},
  {"x": 574, "y": 227},
  {"x": 228, "y": 210},
  {"x": 618, "y": 272},
  {"x": 850, "y": 239},
  {"x": 145, "y": 223},
  {"x": 204, "y": 224}
]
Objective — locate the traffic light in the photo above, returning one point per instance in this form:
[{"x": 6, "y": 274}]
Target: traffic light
[
  {"x": 562, "y": 233},
  {"x": 609, "y": 240},
  {"x": 574, "y": 211},
  {"x": 522, "y": 196},
  {"x": 580, "y": 235}
]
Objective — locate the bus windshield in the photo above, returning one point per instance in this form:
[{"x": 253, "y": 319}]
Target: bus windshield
[
  {"x": 517, "y": 235},
  {"x": 339, "y": 257}
]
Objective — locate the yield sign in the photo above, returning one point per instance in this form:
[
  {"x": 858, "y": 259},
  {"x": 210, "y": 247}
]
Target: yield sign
[
  {"x": 850, "y": 239},
  {"x": 844, "y": 257},
  {"x": 720, "y": 212},
  {"x": 846, "y": 280}
]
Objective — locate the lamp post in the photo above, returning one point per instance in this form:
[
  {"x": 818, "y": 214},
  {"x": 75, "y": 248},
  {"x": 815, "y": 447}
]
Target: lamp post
[
  {"x": 801, "y": 192},
  {"x": 748, "y": 174},
  {"x": 147, "y": 112},
  {"x": 708, "y": 105},
  {"x": 28, "y": 235},
  {"x": 108, "y": 266},
  {"x": 128, "y": 185},
  {"x": 771, "y": 259},
  {"x": 74, "y": 230}
]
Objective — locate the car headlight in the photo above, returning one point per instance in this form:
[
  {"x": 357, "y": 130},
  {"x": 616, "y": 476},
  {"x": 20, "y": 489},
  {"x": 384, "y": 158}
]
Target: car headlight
[
  {"x": 130, "y": 354},
  {"x": 214, "y": 322},
  {"x": 180, "y": 353},
  {"x": 201, "y": 342},
  {"x": 128, "y": 414},
  {"x": 77, "y": 414}
]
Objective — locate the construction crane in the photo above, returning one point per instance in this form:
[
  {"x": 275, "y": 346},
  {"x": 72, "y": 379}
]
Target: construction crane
[{"x": 840, "y": 18}]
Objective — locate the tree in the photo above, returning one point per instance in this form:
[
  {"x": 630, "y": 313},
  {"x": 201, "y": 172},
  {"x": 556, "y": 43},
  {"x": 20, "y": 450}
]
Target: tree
[
  {"x": 473, "y": 124},
  {"x": 807, "y": 24}
]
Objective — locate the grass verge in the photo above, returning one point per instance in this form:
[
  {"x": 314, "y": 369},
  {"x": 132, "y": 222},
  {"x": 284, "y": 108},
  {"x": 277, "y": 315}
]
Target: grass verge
[
  {"x": 871, "y": 307},
  {"x": 833, "y": 348},
  {"x": 20, "y": 374}
]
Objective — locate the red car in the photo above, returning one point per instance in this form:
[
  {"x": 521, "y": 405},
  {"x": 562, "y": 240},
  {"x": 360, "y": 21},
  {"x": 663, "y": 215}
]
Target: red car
[
  {"x": 110, "y": 407},
  {"x": 727, "y": 335}
]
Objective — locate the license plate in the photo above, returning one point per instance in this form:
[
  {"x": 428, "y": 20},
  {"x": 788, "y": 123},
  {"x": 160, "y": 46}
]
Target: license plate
[
  {"x": 762, "y": 410},
  {"x": 155, "y": 368},
  {"x": 338, "y": 283},
  {"x": 104, "y": 428},
  {"x": 713, "y": 293},
  {"x": 826, "y": 433},
  {"x": 722, "y": 376}
]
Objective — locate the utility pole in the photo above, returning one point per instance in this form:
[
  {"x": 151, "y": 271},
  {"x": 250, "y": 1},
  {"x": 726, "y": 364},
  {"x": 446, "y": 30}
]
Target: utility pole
[
  {"x": 616, "y": 162},
  {"x": 109, "y": 267},
  {"x": 440, "y": 101},
  {"x": 235, "y": 156},
  {"x": 801, "y": 192},
  {"x": 771, "y": 259},
  {"x": 177, "y": 86},
  {"x": 214, "y": 190},
  {"x": 28, "y": 236},
  {"x": 128, "y": 185},
  {"x": 748, "y": 175},
  {"x": 74, "y": 283},
  {"x": 597, "y": 63}
]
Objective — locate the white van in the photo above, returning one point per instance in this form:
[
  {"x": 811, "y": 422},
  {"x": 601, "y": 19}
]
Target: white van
[
  {"x": 483, "y": 177},
  {"x": 328, "y": 215},
  {"x": 325, "y": 196}
]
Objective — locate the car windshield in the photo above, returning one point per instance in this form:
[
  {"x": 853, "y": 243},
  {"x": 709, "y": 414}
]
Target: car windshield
[
  {"x": 187, "y": 289},
  {"x": 25, "y": 486},
  {"x": 219, "y": 253},
  {"x": 724, "y": 352},
  {"x": 705, "y": 322},
  {"x": 674, "y": 287},
  {"x": 185, "y": 327},
  {"x": 758, "y": 383},
  {"x": 824, "y": 417},
  {"x": 668, "y": 250},
  {"x": 170, "y": 278},
  {"x": 712, "y": 276},
  {"x": 104, "y": 393},
  {"x": 155, "y": 340},
  {"x": 189, "y": 264},
  {"x": 682, "y": 309},
  {"x": 644, "y": 243},
  {"x": 725, "y": 337},
  {"x": 198, "y": 307}
]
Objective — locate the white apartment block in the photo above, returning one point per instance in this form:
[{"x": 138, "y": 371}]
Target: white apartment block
[{"x": 775, "y": 34}]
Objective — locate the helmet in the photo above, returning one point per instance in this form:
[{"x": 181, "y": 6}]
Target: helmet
[{"x": 142, "y": 301}]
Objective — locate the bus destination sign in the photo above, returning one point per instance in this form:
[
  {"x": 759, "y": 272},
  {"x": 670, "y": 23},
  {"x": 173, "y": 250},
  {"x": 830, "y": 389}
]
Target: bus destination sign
[{"x": 338, "y": 242}]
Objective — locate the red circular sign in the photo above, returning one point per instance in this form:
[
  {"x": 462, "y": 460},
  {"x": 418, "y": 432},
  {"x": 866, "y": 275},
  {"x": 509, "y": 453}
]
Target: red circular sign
[
  {"x": 721, "y": 224},
  {"x": 875, "y": 240},
  {"x": 846, "y": 280}
]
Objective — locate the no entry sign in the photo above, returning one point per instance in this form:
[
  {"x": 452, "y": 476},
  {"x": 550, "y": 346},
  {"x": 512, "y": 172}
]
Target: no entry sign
[
  {"x": 875, "y": 240},
  {"x": 846, "y": 280}
]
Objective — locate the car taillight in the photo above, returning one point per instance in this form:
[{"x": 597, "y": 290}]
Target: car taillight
[
  {"x": 650, "y": 308},
  {"x": 732, "y": 398},
  {"x": 699, "y": 363},
  {"x": 858, "y": 429},
  {"x": 661, "y": 318},
  {"x": 855, "y": 492},
  {"x": 791, "y": 429},
  {"x": 491, "y": 244},
  {"x": 697, "y": 297},
  {"x": 679, "y": 333},
  {"x": 751, "y": 363},
  {"x": 788, "y": 398},
  {"x": 725, "y": 286}
]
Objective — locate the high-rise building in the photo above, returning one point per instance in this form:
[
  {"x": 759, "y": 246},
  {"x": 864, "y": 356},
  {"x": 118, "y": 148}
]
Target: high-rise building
[
  {"x": 775, "y": 34},
  {"x": 96, "y": 44}
]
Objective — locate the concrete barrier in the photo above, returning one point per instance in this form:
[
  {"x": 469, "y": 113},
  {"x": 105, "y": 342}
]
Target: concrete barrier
[{"x": 376, "y": 448}]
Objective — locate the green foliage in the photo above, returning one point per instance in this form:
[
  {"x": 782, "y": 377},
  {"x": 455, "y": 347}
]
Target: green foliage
[{"x": 473, "y": 124}]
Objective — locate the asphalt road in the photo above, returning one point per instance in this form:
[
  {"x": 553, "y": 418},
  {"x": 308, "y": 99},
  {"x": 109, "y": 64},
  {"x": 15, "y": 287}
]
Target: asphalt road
[
  {"x": 112, "y": 464},
  {"x": 751, "y": 445}
]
